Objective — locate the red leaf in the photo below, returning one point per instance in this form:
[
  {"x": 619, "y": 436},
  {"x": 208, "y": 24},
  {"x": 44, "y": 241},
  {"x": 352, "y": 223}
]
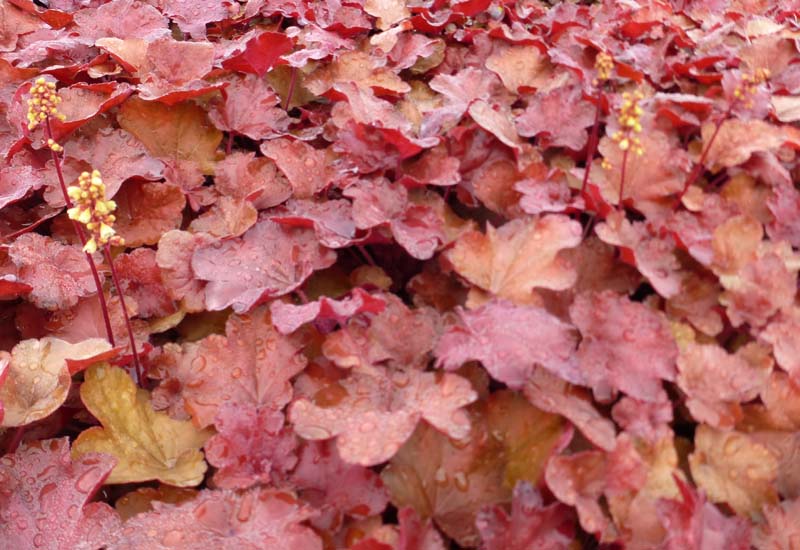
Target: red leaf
[
  {"x": 307, "y": 169},
  {"x": 531, "y": 524},
  {"x": 287, "y": 318},
  {"x": 615, "y": 333},
  {"x": 250, "y": 366},
  {"x": 117, "y": 155},
  {"x": 145, "y": 211},
  {"x": 331, "y": 219},
  {"x": 379, "y": 411},
  {"x": 334, "y": 486},
  {"x": 251, "y": 446},
  {"x": 509, "y": 340},
  {"x": 715, "y": 382},
  {"x": 140, "y": 278},
  {"x": 268, "y": 261},
  {"x": 260, "y": 54},
  {"x": 694, "y": 523},
  {"x": 121, "y": 19},
  {"x": 416, "y": 533},
  {"x": 45, "y": 498},
  {"x": 59, "y": 274},
  {"x": 549, "y": 393},
  {"x": 397, "y": 336},
  {"x": 16, "y": 181},
  {"x": 243, "y": 176},
  {"x": 250, "y": 107},
  {"x": 174, "y": 258},
  {"x": 261, "y": 518},
  {"x": 82, "y": 102},
  {"x": 782, "y": 334},
  {"x": 193, "y": 15},
  {"x": 172, "y": 70}
]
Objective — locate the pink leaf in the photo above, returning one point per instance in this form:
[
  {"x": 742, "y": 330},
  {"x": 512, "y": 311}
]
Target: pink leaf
[
  {"x": 269, "y": 260},
  {"x": 530, "y": 524},
  {"x": 616, "y": 332},
  {"x": 58, "y": 273},
  {"x": 287, "y": 317},
  {"x": 379, "y": 412},
  {"x": 509, "y": 340},
  {"x": 251, "y": 365},
  {"x": 691, "y": 522},
  {"x": 261, "y": 518},
  {"x": 251, "y": 446},
  {"x": 45, "y": 498},
  {"x": 332, "y": 485}
]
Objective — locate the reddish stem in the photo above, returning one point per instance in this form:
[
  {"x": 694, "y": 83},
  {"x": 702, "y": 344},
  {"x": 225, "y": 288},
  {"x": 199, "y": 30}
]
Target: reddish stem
[
  {"x": 290, "y": 93},
  {"x": 229, "y": 145},
  {"x": 366, "y": 254},
  {"x": 622, "y": 177},
  {"x": 82, "y": 237},
  {"x": 591, "y": 147},
  {"x": 698, "y": 168},
  {"x": 24, "y": 230},
  {"x": 16, "y": 439},
  {"x": 115, "y": 278}
]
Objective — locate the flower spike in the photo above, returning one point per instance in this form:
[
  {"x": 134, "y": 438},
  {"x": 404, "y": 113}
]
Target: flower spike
[
  {"x": 43, "y": 103},
  {"x": 94, "y": 211}
]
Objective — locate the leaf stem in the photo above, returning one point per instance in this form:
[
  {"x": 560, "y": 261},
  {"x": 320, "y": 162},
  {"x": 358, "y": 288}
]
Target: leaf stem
[
  {"x": 591, "y": 147},
  {"x": 81, "y": 236},
  {"x": 131, "y": 339},
  {"x": 290, "y": 92},
  {"x": 698, "y": 168},
  {"x": 622, "y": 177}
]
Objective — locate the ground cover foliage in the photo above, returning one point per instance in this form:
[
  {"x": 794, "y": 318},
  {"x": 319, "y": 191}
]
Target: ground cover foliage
[{"x": 400, "y": 275}]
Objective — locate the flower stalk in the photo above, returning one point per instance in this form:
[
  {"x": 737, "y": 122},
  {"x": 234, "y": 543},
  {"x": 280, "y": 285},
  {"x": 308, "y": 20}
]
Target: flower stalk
[
  {"x": 87, "y": 207},
  {"x": 743, "y": 93},
  {"x": 42, "y": 105},
  {"x": 96, "y": 214}
]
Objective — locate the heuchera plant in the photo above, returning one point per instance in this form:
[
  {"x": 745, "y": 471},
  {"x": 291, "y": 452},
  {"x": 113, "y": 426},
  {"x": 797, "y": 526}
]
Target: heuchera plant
[{"x": 391, "y": 275}]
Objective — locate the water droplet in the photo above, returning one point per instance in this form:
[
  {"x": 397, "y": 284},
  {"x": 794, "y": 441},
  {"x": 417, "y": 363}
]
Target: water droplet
[
  {"x": 38, "y": 540},
  {"x": 314, "y": 432},
  {"x": 198, "y": 364},
  {"x": 731, "y": 446},
  {"x": 440, "y": 476},
  {"x": 629, "y": 335},
  {"x": 309, "y": 162},
  {"x": 400, "y": 378},
  {"x": 461, "y": 481},
  {"x": 87, "y": 482},
  {"x": 246, "y": 509},
  {"x": 72, "y": 511},
  {"x": 367, "y": 427},
  {"x": 172, "y": 538},
  {"x": 752, "y": 472},
  {"x": 237, "y": 372},
  {"x": 46, "y": 490}
]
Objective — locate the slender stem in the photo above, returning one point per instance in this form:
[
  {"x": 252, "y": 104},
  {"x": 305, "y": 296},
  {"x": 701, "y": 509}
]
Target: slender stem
[
  {"x": 698, "y": 168},
  {"x": 24, "y": 230},
  {"x": 115, "y": 278},
  {"x": 622, "y": 177},
  {"x": 290, "y": 93},
  {"x": 366, "y": 254},
  {"x": 15, "y": 440},
  {"x": 82, "y": 236},
  {"x": 229, "y": 145},
  {"x": 591, "y": 147}
]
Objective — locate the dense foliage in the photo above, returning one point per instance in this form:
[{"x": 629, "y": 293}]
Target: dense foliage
[{"x": 389, "y": 274}]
